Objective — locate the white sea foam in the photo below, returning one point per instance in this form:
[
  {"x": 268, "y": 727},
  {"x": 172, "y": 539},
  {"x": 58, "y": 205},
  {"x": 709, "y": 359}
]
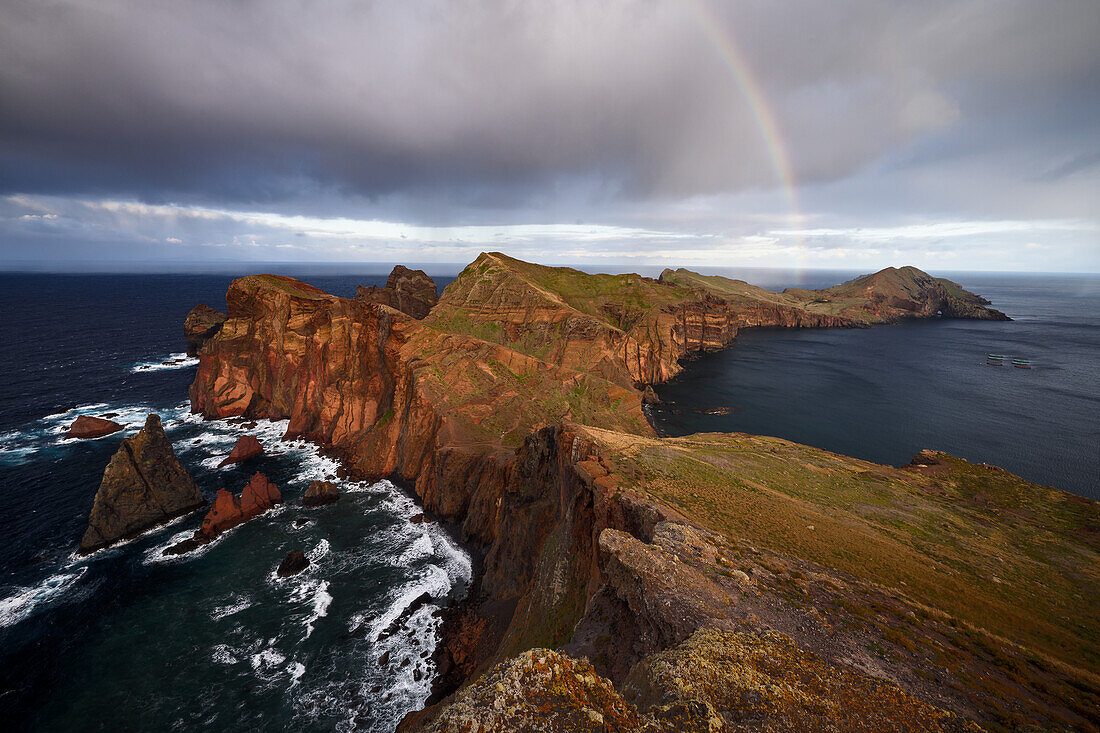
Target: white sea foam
[
  {"x": 22, "y": 603},
  {"x": 173, "y": 361},
  {"x": 237, "y": 605},
  {"x": 296, "y": 670},
  {"x": 267, "y": 659},
  {"x": 223, "y": 654}
]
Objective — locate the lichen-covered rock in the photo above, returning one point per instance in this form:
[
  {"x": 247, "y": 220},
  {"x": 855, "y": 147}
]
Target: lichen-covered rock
[
  {"x": 766, "y": 682},
  {"x": 539, "y": 690},
  {"x": 247, "y": 446},
  {"x": 201, "y": 324},
  {"x": 320, "y": 493},
  {"x": 143, "y": 486},
  {"x": 86, "y": 427},
  {"x": 409, "y": 291}
]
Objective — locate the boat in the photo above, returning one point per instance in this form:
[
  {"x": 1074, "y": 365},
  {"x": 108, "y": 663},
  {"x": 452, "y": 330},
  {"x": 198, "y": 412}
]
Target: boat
[
  {"x": 1021, "y": 363},
  {"x": 994, "y": 360},
  {"x": 992, "y": 357}
]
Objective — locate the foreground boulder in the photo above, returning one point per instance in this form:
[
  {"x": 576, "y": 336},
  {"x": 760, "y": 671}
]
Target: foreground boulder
[
  {"x": 200, "y": 325},
  {"x": 247, "y": 447},
  {"x": 320, "y": 492},
  {"x": 294, "y": 563},
  {"x": 85, "y": 427},
  {"x": 409, "y": 291},
  {"x": 143, "y": 485}
]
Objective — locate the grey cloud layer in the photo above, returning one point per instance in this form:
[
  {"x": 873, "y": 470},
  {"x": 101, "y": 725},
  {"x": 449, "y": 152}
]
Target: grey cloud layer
[{"x": 512, "y": 102}]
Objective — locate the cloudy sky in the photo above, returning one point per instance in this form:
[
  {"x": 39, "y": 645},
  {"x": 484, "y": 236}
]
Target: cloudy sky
[{"x": 953, "y": 135}]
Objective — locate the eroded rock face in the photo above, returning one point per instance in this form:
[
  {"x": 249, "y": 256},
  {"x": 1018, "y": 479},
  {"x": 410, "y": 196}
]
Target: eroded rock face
[
  {"x": 409, "y": 291},
  {"x": 229, "y": 510},
  {"x": 320, "y": 493},
  {"x": 86, "y": 426},
  {"x": 247, "y": 446},
  {"x": 143, "y": 486},
  {"x": 201, "y": 324}
]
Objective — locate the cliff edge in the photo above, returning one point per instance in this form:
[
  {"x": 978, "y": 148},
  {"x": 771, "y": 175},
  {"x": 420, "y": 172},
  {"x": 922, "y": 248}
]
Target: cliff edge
[{"x": 513, "y": 410}]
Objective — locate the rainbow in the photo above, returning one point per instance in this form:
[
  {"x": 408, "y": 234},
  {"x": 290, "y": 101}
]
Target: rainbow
[{"x": 758, "y": 104}]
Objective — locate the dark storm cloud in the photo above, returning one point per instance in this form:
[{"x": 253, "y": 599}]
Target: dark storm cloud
[{"x": 506, "y": 102}]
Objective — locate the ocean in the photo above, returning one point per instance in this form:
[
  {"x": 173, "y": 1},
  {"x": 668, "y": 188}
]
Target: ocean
[{"x": 126, "y": 639}]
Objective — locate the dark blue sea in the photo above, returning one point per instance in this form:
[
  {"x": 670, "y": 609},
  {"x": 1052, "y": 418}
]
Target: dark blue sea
[{"x": 126, "y": 639}]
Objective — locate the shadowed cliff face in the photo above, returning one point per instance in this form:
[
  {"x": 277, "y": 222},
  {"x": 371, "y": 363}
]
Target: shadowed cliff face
[
  {"x": 409, "y": 291},
  {"x": 512, "y": 411}
]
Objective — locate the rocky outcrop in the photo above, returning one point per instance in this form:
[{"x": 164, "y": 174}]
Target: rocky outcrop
[
  {"x": 144, "y": 485},
  {"x": 294, "y": 563},
  {"x": 247, "y": 446},
  {"x": 409, "y": 291},
  {"x": 320, "y": 493},
  {"x": 200, "y": 325},
  {"x": 86, "y": 426},
  {"x": 230, "y": 510}
]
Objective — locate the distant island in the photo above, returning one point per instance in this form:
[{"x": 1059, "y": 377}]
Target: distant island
[{"x": 709, "y": 582}]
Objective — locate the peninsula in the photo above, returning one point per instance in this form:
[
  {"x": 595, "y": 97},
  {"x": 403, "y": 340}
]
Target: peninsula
[{"x": 710, "y": 582}]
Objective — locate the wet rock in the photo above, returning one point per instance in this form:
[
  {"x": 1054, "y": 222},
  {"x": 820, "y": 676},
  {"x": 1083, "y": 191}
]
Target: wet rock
[
  {"x": 229, "y": 510},
  {"x": 294, "y": 563},
  {"x": 86, "y": 426},
  {"x": 247, "y": 447},
  {"x": 319, "y": 493},
  {"x": 201, "y": 324},
  {"x": 404, "y": 616},
  {"x": 143, "y": 485},
  {"x": 419, "y": 519}
]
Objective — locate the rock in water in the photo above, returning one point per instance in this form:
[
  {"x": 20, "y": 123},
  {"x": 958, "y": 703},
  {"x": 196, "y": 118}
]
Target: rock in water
[
  {"x": 201, "y": 324},
  {"x": 292, "y": 564},
  {"x": 228, "y": 511},
  {"x": 144, "y": 485},
  {"x": 320, "y": 492},
  {"x": 86, "y": 426},
  {"x": 247, "y": 447}
]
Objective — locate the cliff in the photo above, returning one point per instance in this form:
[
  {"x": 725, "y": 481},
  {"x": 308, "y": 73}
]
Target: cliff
[
  {"x": 513, "y": 410},
  {"x": 143, "y": 486},
  {"x": 409, "y": 291}
]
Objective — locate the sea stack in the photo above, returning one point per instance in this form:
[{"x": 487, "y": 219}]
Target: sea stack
[
  {"x": 143, "y": 486},
  {"x": 85, "y": 427},
  {"x": 319, "y": 493},
  {"x": 247, "y": 447}
]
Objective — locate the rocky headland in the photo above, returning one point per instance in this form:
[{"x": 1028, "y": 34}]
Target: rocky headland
[
  {"x": 409, "y": 291},
  {"x": 711, "y": 582},
  {"x": 144, "y": 485}
]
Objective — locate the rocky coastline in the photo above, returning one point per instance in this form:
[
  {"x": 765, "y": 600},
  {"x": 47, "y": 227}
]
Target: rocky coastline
[{"x": 513, "y": 409}]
